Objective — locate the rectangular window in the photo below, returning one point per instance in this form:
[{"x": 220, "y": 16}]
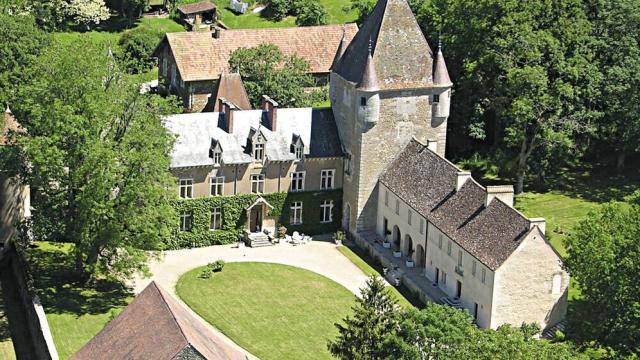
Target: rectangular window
[
  {"x": 217, "y": 157},
  {"x": 422, "y": 226},
  {"x": 299, "y": 151},
  {"x": 397, "y": 207},
  {"x": 258, "y": 152},
  {"x": 436, "y": 98},
  {"x": 484, "y": 275},
  {"x": 449, "y": 248},
  {"x": 185, "y": 221},
  {"x": 326, "y": 179},
  {"x": 473, "y": 268},
  {"x": 296, "y": 213},
  {"x": 257, "y": 183},
  {"x": 326, "y": 211},
  {"x": 217, "y": 185},
  {"x": 347, "y": 163},
  {"x": 386, "y": 198},
  {"x": 216, "y": 219},
  {"x": 363, "y": 101},
  {"x": 444, "y": 278},
  {"x": 440, "y": 241},
  {"x": 409, "y": 216},
  {"x": 460, "y": 258},
  {"x": 186, "y": 188},
  {"x": 297, "y": 181}
]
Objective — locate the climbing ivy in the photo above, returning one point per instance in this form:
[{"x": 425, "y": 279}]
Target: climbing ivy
[{"x": 234, "y": 217}]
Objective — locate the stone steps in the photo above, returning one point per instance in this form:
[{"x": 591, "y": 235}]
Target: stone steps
[{"x": 259, "y": 240}]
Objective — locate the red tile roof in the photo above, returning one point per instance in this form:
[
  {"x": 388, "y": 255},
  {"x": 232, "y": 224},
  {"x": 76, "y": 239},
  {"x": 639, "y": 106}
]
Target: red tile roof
[
  {"x": 200, "y": 56},
  {"x": 196, "y": 8},
  {"x": 231, "y": 88}
]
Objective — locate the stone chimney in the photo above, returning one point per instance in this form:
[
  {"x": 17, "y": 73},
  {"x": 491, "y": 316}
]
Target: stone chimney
[
  {"x": 215, "y": 33},
  {"x": 227, "y": 108},
  {"x": 502, "y": 192},
  {"x": 463, "y": 176},
  {"x": 271, "y": 107},
  {"x": 541, "y": 223},
  {"x": 432, "y": 145}
]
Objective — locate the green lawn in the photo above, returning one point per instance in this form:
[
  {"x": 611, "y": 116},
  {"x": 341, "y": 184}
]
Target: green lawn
[
  {"x": 75, "y": 312},
  {"x": 6, "y": 345},
  {"x": 274, "y": 311},
  {"x": 367, "y": 269},
  {"x": 250, "y": 20}
]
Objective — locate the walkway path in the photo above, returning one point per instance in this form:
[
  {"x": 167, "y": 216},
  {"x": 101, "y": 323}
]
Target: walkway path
[{"x": 318, "y": 256}]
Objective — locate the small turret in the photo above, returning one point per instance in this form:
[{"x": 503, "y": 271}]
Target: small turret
[
  {"x": 442, "y": 87},
  {"x": 369, "y": 102},
  {"x": 341, "y": 49}
]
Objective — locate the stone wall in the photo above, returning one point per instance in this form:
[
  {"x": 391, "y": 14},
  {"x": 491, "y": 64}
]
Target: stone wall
[
  {"x": 14, "y": 205},
  {"x": 524, "y": 285}
]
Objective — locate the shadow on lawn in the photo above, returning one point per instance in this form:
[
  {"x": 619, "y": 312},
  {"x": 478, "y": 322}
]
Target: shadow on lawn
[{"x": 61, "y": 291}]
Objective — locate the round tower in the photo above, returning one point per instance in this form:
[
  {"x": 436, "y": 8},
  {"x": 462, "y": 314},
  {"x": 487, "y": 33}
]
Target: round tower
[
  {"x": 369, "y": 94},
  {"x": 441, "y": 100}
]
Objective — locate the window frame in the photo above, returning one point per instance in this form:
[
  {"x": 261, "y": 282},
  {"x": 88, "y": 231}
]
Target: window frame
[
  {"x": 295, "y": 217},
  {"x": 348, "y": 163},
  {"x": 484, "y": 276},
  {"x": 409, "y": 216},
  {"x": 216, "y": 184},
  {"x": 186, "y": 221},
  {"x": 422, "y": 226},
  {"x": 397, "y": 206},
  {"x": 298, "y": 178},
  {"x": 460, "y": 255},
  {"x": 258, "y": 149},
  {"x": 326, "y": 207},
  {"x": 257, "y": 180},
  {"x": 449, "y": 248},
  {"x": 187, "y": 187},
  {"x": 436, "y": 98},
  {"x": 327, "y": 176},
  {"x": 216, "y": 219},
  {"x": 217, "y": 157},
  {"x": 298, "y": 151}
]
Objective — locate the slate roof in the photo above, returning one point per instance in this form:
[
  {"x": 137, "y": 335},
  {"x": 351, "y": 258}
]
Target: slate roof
[
  {"x": 199, "y": 56},
  {"x": 155, "y": 326},
  {"x": 427, "y": 182},
  {"x": 196, "y": 131},
  {"x": 401, "y": 54},
  {"x": 231, "y": 88},
  {"x": 196, "y": 7},
  {"x": 440, "y": 72}
]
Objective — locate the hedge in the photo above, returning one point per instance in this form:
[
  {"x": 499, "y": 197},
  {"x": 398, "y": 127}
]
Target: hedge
[{"x": 234, "y": 217}]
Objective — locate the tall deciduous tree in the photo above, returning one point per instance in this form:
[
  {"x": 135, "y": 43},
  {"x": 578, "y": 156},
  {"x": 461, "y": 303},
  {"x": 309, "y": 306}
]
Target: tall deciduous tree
[
  {"x": 266, "y": 71},
  {"x": 88, "y": 12},
  {"x": 603, "y": 254},
  {"x": 374, "y": 315},
  {"x": 97, "y": 158}
]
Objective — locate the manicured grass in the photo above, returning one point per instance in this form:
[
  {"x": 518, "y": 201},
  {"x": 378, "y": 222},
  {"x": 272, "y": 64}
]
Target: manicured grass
[
  {"x": 250, "y": 20},
  {"x": 367, "y": 269},
  {"x": 274, "y": 311},
  {"x": 75, "y": 312}
]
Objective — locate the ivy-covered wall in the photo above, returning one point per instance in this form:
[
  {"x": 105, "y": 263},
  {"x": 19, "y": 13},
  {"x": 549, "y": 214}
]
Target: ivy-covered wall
[{"x": 234, "y": 217}]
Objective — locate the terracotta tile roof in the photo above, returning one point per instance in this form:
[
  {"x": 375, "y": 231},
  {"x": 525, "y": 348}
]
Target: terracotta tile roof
[
  {"x": 427, "y": 182},
  {"x": 9, "y": 124},
  {"x": 196, "y": 7},
  {"x": 401, "y": 54},
  {"x": 231, "y": 88},
  {"x": 155, "y": 326},
  {"x": 199, "y": 56}
]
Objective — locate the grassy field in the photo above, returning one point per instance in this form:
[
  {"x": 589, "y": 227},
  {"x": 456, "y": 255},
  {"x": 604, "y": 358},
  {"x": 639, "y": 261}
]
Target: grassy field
[
  {"x": 75, "y": 312},
  {"x": 367, "y": 269},
  {"x": 6, "y": 345},
  {"x": 274, "y": 311},
  {"x": 250, "y": 20}
]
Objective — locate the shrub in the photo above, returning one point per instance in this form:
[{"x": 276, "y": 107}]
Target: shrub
[
  {"x": 211, "y": 268},
  {"x": 309, "y": 13},
  {"x": 137, "y": 46},
  {"x": 279, "y": 9}
]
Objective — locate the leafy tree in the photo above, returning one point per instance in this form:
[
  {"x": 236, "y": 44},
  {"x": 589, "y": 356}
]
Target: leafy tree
[
  {"x": 266, "y": 71},
  {"x": 88, "y": 12},
  {"x": 137, "y": 46},
  {"x": 363, "y": 7},
  {"x": 21, "y": 44},
  {"x": 603, "y": 254},
  {"x": 361, "y": 336},
  {"x": 97, "y": 158},
  {"x": 310, "y": 12},
  {"x": 279, "y": 9},
  {"x": 131, "y": 9},
  {"x": 616, "y": 25}
]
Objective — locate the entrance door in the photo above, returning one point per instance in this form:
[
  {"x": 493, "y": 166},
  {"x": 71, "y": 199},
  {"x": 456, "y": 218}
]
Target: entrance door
[
  {"x": 255, "y": 219},
  {"x": 458, "y": 289},
  {"x": 437, "y": 276}
]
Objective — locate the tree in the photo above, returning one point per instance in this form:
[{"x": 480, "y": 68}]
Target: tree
[
  {"x": 96, "y": 157},
  {"x": 137, "y": 45},
  {"x": 21, "y": 44},
  {"x": 310, "y": 12},
  {"x": 88, "y": 12},
  {"x": 363, "y": 7},
  {"x": 362, "y": 335},
  {"x": 603, "y": 253},
  {"x": 279, "y": 9},
  {"x": 266, "y": 71}
]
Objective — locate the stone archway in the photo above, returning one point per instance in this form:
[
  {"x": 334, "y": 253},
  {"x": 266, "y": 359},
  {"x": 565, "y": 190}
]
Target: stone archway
[
  {"x": 420, "y": 256},
  {"x": 407, "y": 248},
  {"x": 396, "y": 237}
]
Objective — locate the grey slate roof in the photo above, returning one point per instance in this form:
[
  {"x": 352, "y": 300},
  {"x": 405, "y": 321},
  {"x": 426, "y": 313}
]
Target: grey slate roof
[
  {"x": 195, "y": 132},
  {"x": 401, "y": 54},
  {"x": 427, "y": 182}
]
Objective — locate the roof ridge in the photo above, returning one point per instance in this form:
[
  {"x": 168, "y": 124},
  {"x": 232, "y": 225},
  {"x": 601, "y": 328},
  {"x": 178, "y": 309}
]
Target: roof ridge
[{"x": 173, "y": 315}]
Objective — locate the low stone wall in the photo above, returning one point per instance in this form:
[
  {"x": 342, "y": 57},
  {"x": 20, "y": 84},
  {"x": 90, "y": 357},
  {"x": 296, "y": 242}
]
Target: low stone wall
[{"x": 35, "y": 340}]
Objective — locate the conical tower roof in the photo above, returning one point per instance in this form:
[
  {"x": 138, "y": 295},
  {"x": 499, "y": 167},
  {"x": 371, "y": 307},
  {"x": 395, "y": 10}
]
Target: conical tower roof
[
  {"x": 440, "y": 73},
  {"x": 369, "y": 80},
  {"x": 340, "y": 52},
  {"x": 401, "y": 55}
]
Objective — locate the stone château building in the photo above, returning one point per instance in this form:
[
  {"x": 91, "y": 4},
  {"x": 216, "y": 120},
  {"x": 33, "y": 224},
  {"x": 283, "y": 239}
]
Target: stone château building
[{"x": 383, "y": 143}]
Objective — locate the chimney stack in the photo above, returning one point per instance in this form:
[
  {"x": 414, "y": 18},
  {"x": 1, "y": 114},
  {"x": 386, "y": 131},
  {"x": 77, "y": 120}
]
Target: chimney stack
[
  {"x": 541, "y": 223},
  {"x": 216, "y": 33},
  {"x": 271, "y": 107},
  {"x": 227, "y": 109},
  {"x": 463, "y": 176},
  {"x": 502, "y": 192},
  {"x": 432, "y": 145}
]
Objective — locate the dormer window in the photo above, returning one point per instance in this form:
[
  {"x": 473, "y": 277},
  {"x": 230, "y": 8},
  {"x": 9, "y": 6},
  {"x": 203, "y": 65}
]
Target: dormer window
[
  {"x": 258, "y": 151},
  {"x": 297, "y": 147},
  {"x": 215, "y": 152}
]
